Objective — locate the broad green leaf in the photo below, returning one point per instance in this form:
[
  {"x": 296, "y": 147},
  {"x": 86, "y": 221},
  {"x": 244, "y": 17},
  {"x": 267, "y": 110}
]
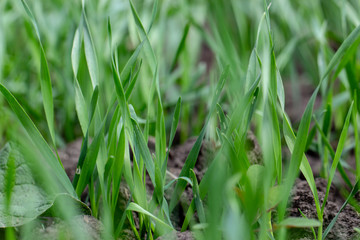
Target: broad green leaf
[
  {"x": 38, "y": 140},
  {"x": 28, "y": 198}
]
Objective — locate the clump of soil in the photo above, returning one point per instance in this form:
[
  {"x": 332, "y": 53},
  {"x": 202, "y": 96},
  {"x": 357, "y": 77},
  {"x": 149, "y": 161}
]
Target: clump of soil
[{"x": 302, "y": 199}]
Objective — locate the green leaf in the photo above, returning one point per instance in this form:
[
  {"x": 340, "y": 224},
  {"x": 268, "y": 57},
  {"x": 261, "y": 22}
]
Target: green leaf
[
  {"x": 193, "y": 155},
  {"x": 344, "y": 49},
  {"x": 180, "y": 47},
  {"x": 338, "y": 153},
  {"x": 75, "y": 52},
  {"x": 130, "y": 63},
  {"x": 174, "y": 124},
  {"x": 141, "y": 147},
  {"x": 333, "y": 221},
  {"x": 38, "y": 141},
  {"x": 298, "y": 148},
  {"x": 294, "y": 222},
  {"x": 274, "y": 197},
  {"x": 223, "y": 121},
  {"x": 86, "y": 169},
  {"x": 305, "y": 167},
  {"x": 45, "y": 81},
  {"x": 90, "y": 53},
  {"x": 197, "y": 199},
  {"x": 80, "y": 104},
  {"x": 255, "y": 174},
  {"x": 28, "y": 198},
  {"x": 131, "y": 86},
  {"x": 149, "y": 52},
  {"x": 134, "y": 207},
  {"x": 167, "y": 186}
]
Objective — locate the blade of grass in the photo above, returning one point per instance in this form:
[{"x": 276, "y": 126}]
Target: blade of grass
[
  {"x": 192, "y": 157},
  {"x": 134, "y": 207},
  {"x": 131, "y": 86},
  {"x": 298, "y": 152},
  {"x": 80, "y": 104},
  {"x": 90, "y": 52},
  {"x": 332, "y": 154},
  {"x": 180, "y": 47},
  {"x": 45, "y": 82},
  {"x": 174, "y": 124},
  {"x": 144, "y": 37},
  {"x": 305, "y": 166},
  {"x": 338, "y": 153},
  {"x": 333, "y": 221},
  {"x": 198, "y": 202}
]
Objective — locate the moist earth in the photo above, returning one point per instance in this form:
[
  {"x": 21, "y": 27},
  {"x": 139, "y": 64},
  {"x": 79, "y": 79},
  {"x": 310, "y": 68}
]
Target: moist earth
[
  {"x": 301, "y": 195},
  {"x": 303, "y": 200}
]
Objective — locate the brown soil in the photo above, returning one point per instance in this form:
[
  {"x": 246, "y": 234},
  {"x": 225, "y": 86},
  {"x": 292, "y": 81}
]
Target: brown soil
[
  {"x": 296, "y": 102},
  {"x": 302, "y": 196},
  {"x": 303, "y": 200}
]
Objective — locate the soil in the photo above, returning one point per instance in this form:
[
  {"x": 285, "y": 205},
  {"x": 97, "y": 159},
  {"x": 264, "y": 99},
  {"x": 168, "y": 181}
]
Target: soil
[
  {"x": 303, "y": 200},
  {"x": 296, "y": 102},
  {"x": 301, "y": 196},
  {"x": 70, "y": 156}
]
